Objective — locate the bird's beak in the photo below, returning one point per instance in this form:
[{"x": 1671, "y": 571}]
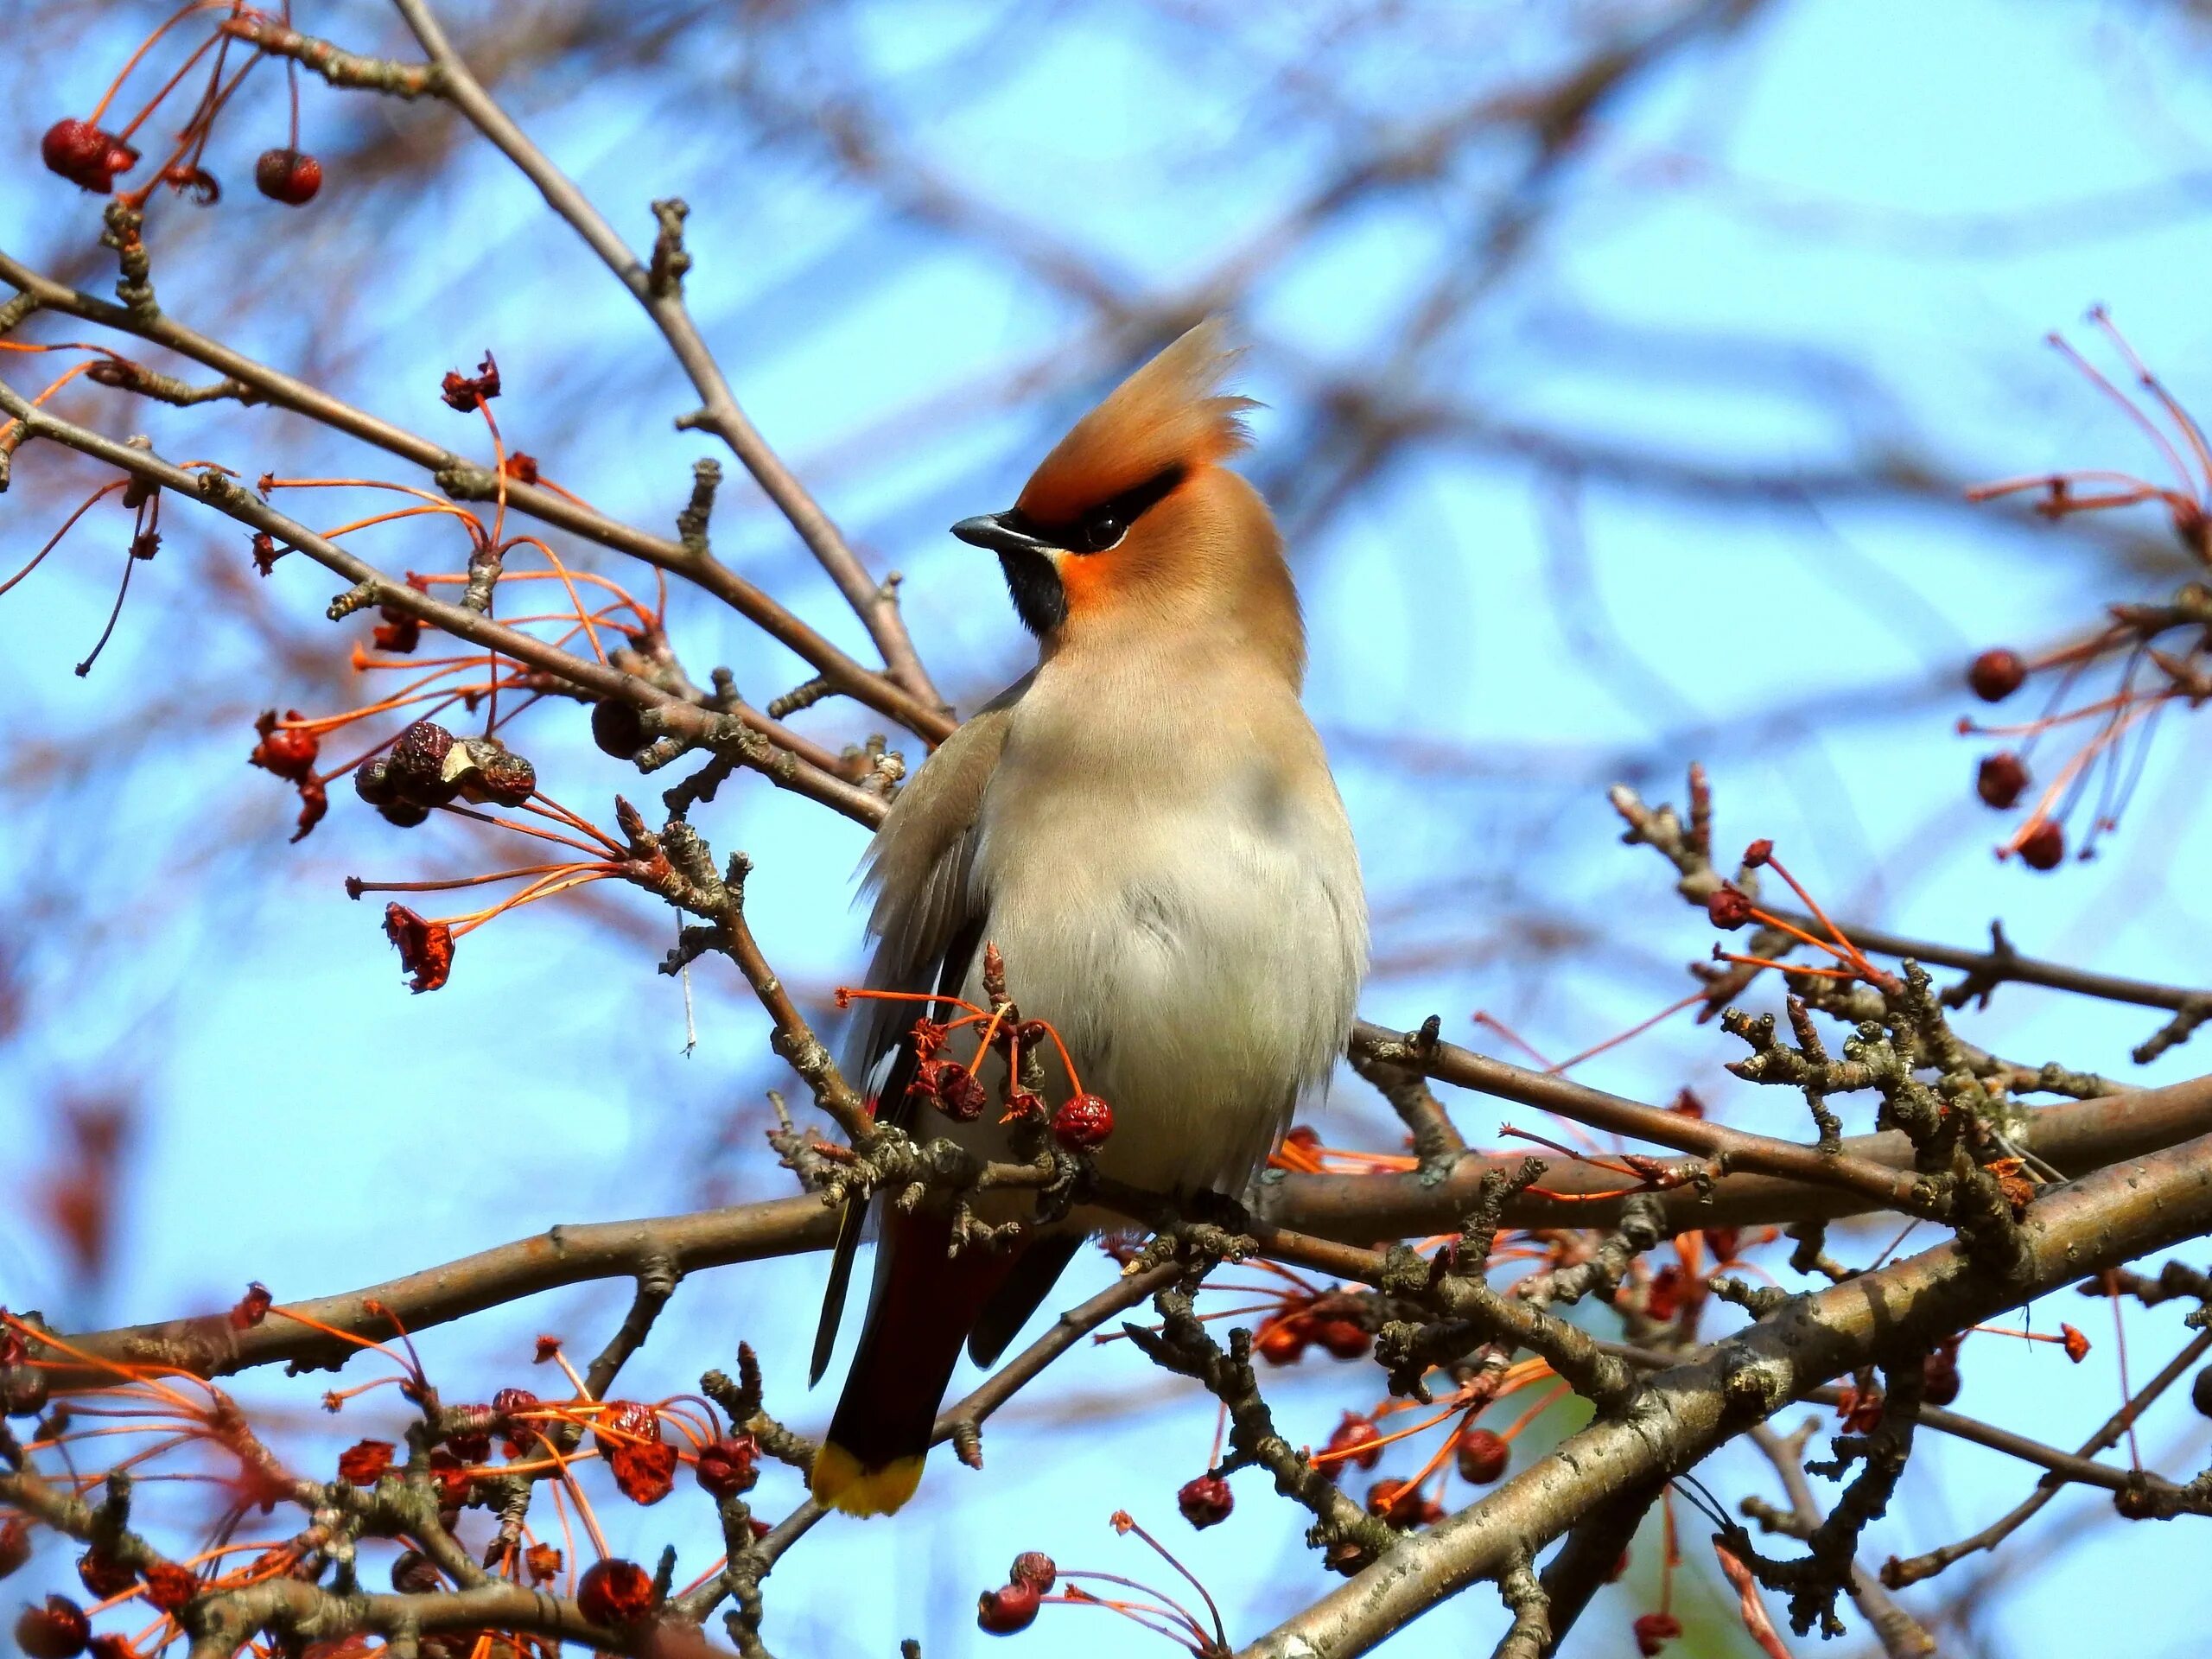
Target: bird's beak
[{"x": 993, "y": 530}]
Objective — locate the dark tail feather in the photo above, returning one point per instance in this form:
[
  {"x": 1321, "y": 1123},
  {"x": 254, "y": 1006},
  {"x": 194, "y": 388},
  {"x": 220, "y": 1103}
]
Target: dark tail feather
[{"x": 924, "y": 1304}]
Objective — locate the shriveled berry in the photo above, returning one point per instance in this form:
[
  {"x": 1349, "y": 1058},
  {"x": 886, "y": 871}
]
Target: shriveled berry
[
  {"x": 1728, "y": 908},
  {"x": 288, "y": 750},
  {"x": 1034, "y": 1566},
  {"x": 1996, "y": 674},
  {"x": 416, "y": 766},
  {"x": 1283, "y": 1341},
  {"x": 1344, "y": 1338},
  {"x": 291, "y": 176},
  {"x": 961, "y": 1095},
  {"x": 413, "y": 1574},
  {"x": 2043, "y": 848},
  {"x": 644, "y": 1474},
  {"x": 1653, "y": 1631},
  {"x": 1206, "y": 1501},
  {"x": 495, "y": 774},
  {"x": 85, "y": 155},
  {"x": 2000, "y": 779},
  {"x": 16, "y": 1541},
  {"x": 104, "y": 1576},
  {"x": 56, "y": 1629},
  {"x": 726, "y": 1465},
  {"x": 1483, "y": 1455},
  {"x": 1084, "y": 1123},
  {"x": 617, "y": 729},
  {"x": 1356, "y": 1442},
  {"x": 170, "y": 1586},
  {"x": 363, "y": 1464},
  {"x": 615, "y": 1592},
  {"x": 1010, "y": 1608}
]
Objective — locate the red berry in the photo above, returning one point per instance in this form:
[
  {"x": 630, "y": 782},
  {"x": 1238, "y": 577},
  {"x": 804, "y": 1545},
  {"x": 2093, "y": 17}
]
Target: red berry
[
  {"x": 1996, "y": 674},
  {"x": 1355, "y": 1438},
  {"x": 59, "y": 1629},
  {"x": 1758, "y": 852},
  {"x": 1653, "y": 1631},
  {"x": 1999, "y": 780},
  {"x": 291, "y": 176},
  {"x": 1400, "y": 1503},
  {"x": 85, "y": 155},
  {"x": 615, "y": 1592},
  {"x": 1206, "y": 1501},
  {"x": 1034, "y": 1566},
  {"x": 1662, "y": 1298},
  {"x": 1939, "y": 1379},
  {"x": 725, "y": 1467},
  {"x": 1483, "y": 1455},
  {"x": 364, "y": 1464},
  {"x": 2044, "y": 847},
  {"x": 15, "y": 1543},
  {"x": 1001, "y": 1613},
  {"x": 1281, "y": 1343},
  {"x": 1728, "y": 908},
  {"x": 1724, "y": 1242},
  {"x": 1083, "y": 1123},
  {"x": 287, "y": 750}
]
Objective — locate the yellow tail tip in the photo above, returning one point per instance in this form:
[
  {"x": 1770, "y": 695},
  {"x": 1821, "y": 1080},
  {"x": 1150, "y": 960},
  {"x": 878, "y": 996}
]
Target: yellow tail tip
[{"x": 842, "y": 1482}]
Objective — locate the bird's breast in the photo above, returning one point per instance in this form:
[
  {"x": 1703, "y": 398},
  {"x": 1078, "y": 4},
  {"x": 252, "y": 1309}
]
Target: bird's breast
[{"x": 1193, "y": 927}]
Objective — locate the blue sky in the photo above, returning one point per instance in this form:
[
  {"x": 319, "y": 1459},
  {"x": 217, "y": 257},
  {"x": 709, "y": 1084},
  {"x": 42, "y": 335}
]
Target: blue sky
[{"x": 1900, "y": 198}]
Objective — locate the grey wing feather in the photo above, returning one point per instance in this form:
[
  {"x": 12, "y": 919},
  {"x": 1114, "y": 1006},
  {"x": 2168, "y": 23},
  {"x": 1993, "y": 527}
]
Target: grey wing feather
[{"x": 918, "y": 866}]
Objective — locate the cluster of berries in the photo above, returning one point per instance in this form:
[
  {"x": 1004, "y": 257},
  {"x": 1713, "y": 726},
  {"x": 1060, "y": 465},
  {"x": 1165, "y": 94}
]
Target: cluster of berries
[{"x": 429, "y": 766}]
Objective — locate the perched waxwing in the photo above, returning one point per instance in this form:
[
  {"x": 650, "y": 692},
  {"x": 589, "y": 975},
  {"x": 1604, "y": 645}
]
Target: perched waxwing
[{"x": 1146, "y": 827}]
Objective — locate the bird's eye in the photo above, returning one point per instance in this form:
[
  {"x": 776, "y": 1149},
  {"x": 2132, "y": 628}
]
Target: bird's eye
[{"x": 1100, "y": 530}]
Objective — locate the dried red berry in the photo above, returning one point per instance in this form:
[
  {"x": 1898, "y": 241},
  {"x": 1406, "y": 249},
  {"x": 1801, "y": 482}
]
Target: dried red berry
[
  {"x": 1206, "y": 1501},
  {"x": 1940, "y": 1380},
  {"x": 415, "y": 1574},
  {"x": 1724, "y": 1242},
  {"x": 725, "y": 1467},
  {"x": 362, "y": 1465},
  {"x": 452, "y": 1477},
  {"x": 1003, "y": 1611},
  {"x": 2000, "y": 779},
  {"x": 1356, "y": 1440},
  {"x": 1728, "y": 908},
  {"x": 1034, "y": 1566},
  {"x": 645, "y": 1474},
  {"x": 85, "y": 155},
  {"x": 624, "y": 1422},
  {"x": 492, "y": 773},
  {"x": 521, "y": 467},
  {"x": 104, "y": 1576},
  {"x": 960, "y": 1093},
  {"x": 252, "y": 1307},
  {"x": 1282, "y": 1342},
  {"x": 1996, "y": 674},
  {"x": 462, "y": 392},
  {"x": 16, "y": 1542},
  {"x": 2043, "y": 848},
  {"x": 615, "y": 1592},
  {"x": 398, "y": 631},
  {"x": 1084, "y": 1123},
  {"x": 1662, "y": 1298},
  {"x": 57, "y": 1629},
  {"x": 544, "y": 1562},
  {"x": 425, "y": 947},
  {"x": 2076, "y": 1344},
  {"x": 1483, "y": 1455},
  {"x": 291, "y": 176},
  {"x": 170, "y": 1586},
  {"x": 1344, "y": 1338},
  {"x": 1653, "y": 1631},
  {"x": 1758, "y": 852},
  {"x": 287, "y": 750},
  {"x": 1400, "y": 1503}
]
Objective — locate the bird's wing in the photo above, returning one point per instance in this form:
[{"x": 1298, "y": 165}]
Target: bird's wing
[{"x": 928, "y": 927}]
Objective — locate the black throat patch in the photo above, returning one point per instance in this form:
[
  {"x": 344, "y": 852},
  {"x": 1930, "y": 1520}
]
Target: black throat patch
[{"x": 1039, "y": 599}]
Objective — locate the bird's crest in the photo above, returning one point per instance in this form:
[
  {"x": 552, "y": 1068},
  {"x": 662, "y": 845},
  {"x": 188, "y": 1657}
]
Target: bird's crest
[{"x": 1167, "y": 415}]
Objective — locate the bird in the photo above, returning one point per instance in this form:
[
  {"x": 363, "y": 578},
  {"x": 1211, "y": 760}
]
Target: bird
[{"x": 1146, "y": 829}]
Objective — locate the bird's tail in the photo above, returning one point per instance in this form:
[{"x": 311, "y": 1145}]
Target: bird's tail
[{"x": 923, "y": 1304}]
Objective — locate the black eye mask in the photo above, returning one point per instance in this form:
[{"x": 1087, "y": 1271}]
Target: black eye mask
[{"x": 1024, "y": 544}]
